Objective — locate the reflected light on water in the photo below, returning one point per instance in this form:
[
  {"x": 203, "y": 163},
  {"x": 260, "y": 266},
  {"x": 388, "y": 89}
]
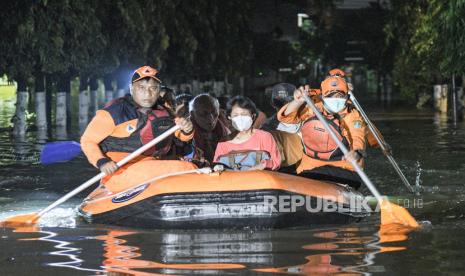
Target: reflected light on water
[
  {"x": 63, "y": 249},
  {"x": 121, "y": 257},
  {"x": 346, "y": 242},
  {"x": 424, "y": 147},
  {"x": 337, "y": 251}
]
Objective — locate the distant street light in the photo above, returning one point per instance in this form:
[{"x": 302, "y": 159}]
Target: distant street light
[
  {"x": 300, "y": 67},
  {"x": 300, "y": 19}
]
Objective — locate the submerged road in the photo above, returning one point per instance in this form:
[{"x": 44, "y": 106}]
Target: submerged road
[{"x": 429, "y": 150}]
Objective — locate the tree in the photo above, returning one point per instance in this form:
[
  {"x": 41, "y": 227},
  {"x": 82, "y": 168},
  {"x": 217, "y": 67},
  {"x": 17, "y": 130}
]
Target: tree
[
  {"x": 428, "y": 41},
  {"x": 206, "y": 39},
  {"x": 439, "y": 37},
  {"x": 412, "y": 71},
  {"x": 16, "y": 59}
]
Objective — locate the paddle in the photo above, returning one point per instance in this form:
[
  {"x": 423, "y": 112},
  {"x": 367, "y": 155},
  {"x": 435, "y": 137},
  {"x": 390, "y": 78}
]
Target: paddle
[
  {"x": 62, "y": 151},
  {"x": 390, "y": 212},
  {"x": 382, "y": 143},
  {"x": 59, "y": 151},
  {"x": 34, "y": 217}
]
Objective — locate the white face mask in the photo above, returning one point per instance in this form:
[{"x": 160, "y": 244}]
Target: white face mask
[
  {"x": 334, "y": 105},
  {"x": 242, "y": 122},
  {"x": 291, "y": 128}
]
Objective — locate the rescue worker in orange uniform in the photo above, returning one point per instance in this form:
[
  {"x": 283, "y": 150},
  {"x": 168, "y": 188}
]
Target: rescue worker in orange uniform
[
  {"x": 371, "y": 140},
  {"x": 127, "y": 123},
  {"x": 322, "y": 158}
]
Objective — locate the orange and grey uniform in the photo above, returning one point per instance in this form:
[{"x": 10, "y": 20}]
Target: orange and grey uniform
[
  {"x": 319, "y": 148},
  {"x": 370, "y": 137},
  {"x": 122, "y": 127}
]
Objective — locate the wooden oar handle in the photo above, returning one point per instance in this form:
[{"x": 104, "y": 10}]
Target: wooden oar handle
[
  {"x": 147, "y": 146},
  {"x": 74, "y": 192},
  {"x": 99, "y": 176}
]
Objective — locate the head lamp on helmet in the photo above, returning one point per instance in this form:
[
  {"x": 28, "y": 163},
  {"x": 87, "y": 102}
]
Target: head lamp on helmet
[{"x": 332, "y": 84}]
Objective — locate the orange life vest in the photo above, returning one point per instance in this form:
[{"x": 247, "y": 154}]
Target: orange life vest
[
  {"x": 317, "y": 142},
  {"x": 150, "y": 124}
]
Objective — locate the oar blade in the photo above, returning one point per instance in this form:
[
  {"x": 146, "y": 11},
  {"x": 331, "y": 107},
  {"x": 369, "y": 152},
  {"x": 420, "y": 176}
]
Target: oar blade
[
  {"x": 59, "y": 152},
  {"x": 395, "y": 214},
  {"x": 20, "y": 220}
]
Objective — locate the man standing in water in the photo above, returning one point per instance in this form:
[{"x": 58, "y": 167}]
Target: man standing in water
[{"x": 129, "y": 122}]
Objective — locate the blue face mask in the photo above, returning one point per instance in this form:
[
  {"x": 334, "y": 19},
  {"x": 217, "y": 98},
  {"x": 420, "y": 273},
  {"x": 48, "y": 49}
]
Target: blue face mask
[{"x": 334, "y": 105}]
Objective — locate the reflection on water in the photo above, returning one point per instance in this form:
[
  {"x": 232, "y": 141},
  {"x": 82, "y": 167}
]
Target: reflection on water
[
  {"x": 67, "y": 251},
  {"x": 117, "y": 251},
  {"x": 7, "y": 109},
  {"x": 123, "y": 257},
  {"x": 14, "y": 151}
]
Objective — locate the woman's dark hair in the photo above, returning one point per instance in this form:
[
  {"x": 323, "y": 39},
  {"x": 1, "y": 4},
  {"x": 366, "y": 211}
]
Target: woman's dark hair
[
  {"x": 167, "y": 90},
  {"x": 184, "y": 98},
  {"x": 223, "y": 100},
  {"x": 169, "y": 96},
  {"x": 242, "y": 102}
]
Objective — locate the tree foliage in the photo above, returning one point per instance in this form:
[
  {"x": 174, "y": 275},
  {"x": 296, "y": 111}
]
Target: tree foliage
[
  {"x": 207, "y": 38},
  {"x": 428, "y": 41},
  {"x": 16, "y": 50},
  {"x": 94, "y": 38}
]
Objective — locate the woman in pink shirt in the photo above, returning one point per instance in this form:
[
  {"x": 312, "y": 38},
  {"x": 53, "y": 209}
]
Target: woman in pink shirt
[{"x": 242, "y": 112}]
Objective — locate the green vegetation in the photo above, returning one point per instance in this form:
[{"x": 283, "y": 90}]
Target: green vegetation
[
  {"x": 419, "y": 42},
  {"x": 428, "y": 41},
  {"x": 91, "y": 39}
]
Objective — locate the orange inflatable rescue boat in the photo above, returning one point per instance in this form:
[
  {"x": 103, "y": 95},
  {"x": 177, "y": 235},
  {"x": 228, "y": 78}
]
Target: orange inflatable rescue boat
[{"x": 227, "y": 199}]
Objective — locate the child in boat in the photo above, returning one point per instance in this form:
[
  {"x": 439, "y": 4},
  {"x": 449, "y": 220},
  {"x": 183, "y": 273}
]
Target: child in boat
[
  {"x": 322, "y": 158},
  {"x": 247, "y": 148}
]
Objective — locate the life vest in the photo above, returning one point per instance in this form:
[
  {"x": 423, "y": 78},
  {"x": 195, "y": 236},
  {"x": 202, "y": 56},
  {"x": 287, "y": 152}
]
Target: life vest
[
  {"x": 318, "y": 143},
  {"x": 150, "y": 124},
  {"x": 153, "y": 124},
  {"x": 243, "y": 160}
]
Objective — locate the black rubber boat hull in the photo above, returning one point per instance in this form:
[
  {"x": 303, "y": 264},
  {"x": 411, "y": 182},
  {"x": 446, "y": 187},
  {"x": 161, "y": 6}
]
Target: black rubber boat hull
[{"x": 236, "y": 209}]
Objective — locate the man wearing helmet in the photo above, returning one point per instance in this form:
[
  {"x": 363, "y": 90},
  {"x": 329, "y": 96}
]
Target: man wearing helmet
[
  {"x": 127, "y": 123},
  {"x": 370, "y": 138},
  {"x": 322, "y": 158}
]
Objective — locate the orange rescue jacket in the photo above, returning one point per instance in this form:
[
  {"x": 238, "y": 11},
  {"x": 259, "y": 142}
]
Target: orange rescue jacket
[
  {"x": 319, "y": 148},
  {"x": 122, "y": 127}
]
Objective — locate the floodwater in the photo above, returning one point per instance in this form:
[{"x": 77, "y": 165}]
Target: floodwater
[{"x": 429, "y": 150}]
